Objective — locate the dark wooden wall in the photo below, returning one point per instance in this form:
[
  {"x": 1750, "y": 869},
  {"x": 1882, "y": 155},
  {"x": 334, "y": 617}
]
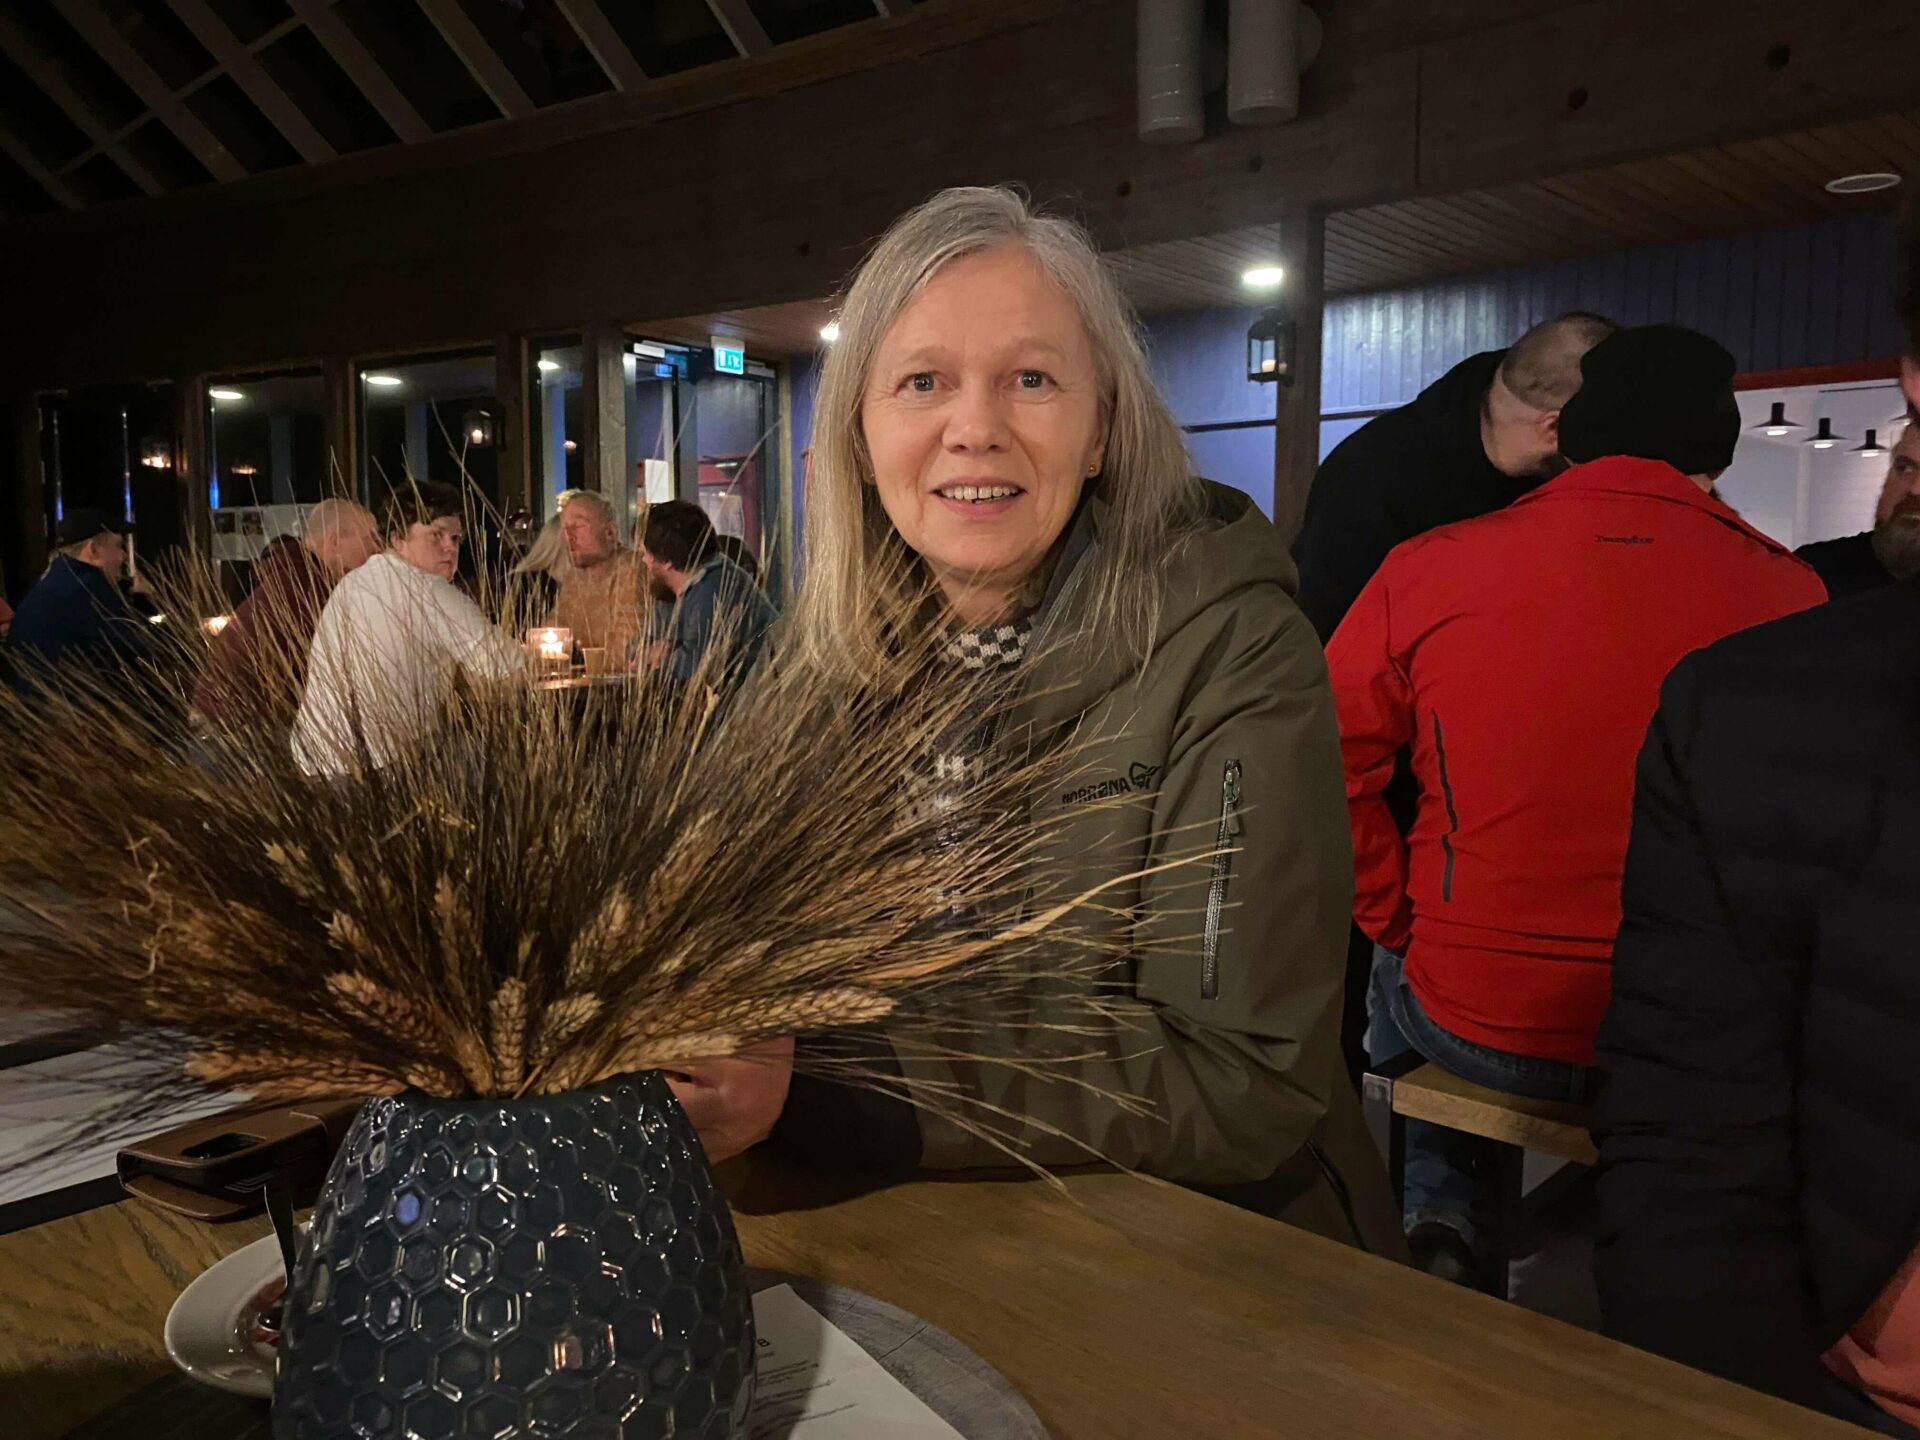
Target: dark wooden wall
[
  {"x": 775, "y": 196},
  {"x": 755, "y": 185}
]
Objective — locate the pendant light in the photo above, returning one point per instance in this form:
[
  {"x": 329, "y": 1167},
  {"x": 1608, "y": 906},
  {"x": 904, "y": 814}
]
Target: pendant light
[
  {"x": 1870, "y": 446},
  {"x": 1777, "y": 423},
  {"x": 1823, "y": 438}
]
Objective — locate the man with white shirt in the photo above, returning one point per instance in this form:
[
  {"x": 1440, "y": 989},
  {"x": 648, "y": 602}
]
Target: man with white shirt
[{"x": 391, "y": 640}]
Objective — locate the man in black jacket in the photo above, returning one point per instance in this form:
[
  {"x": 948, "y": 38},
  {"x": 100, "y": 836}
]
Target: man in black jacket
[
  {"x": 1891, "y": 550},
  {"x": 1760, "y": 1160},
  {"x": 76, "y": 617},
  {"x": 1474, "y": 441}
]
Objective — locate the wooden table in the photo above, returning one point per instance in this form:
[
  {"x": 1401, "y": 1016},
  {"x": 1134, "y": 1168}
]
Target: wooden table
[{"x": 1124, "y": 1309}]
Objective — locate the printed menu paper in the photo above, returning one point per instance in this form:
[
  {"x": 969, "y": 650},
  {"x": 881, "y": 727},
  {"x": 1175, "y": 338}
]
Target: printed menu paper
[{"x": 812, "y": 1382}]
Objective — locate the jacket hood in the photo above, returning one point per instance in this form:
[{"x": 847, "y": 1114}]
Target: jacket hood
[
  {"x": 1449, "y": 409},
  {"x": 1235, "y": 550}
]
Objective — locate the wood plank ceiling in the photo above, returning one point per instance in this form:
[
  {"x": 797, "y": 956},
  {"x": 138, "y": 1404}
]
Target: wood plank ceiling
[
  {"x": 104, "y": 100},
  {"x": 1725, "y": 189}
]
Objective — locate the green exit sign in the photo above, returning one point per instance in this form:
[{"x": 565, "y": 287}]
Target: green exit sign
[{"x": 729, "y": 359}]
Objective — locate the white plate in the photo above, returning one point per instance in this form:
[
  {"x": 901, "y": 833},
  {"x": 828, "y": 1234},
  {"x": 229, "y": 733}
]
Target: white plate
[{"x": 203, "y": 1328}]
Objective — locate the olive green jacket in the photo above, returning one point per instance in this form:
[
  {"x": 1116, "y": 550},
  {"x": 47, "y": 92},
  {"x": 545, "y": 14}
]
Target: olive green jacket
[{"x": 1221, "y": 746}]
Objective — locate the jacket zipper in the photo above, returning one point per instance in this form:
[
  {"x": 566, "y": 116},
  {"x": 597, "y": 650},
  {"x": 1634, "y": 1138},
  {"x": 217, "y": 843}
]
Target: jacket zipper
[
  {"x": 1453, "y": 815},
  {"x": 1340, "y": 1193},
  {"x": 1222, "y": 872}
]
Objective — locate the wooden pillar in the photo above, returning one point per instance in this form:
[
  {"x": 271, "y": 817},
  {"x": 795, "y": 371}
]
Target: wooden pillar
[
  {"x": 605, "y": 402},
  {"x": 192, "y": 461},
  {"x": 341, "y": 378},
  {"x": 514, "y": 442},
  {"x": 1303, "y": 249}
]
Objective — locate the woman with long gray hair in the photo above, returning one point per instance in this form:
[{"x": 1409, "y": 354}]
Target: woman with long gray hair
[{"x": 986, "y": 428}]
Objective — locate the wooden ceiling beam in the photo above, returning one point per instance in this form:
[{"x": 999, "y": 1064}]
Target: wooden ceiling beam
[
  {"x": 22, "y": 155},
  {"x": 743, "y": 27},
  {"x": 330, "y": 28},
  {"x": 487, "y": 65},
  {"x": 250, "y": 75},
  {"x": 140, "y": 77},
  {"x": 184, "y": 92},
  {"x": 18, "y": 46},
  {"x": 603, "y": 42}
]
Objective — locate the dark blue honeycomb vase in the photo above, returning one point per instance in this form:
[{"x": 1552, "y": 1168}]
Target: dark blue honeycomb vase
[{"x": 525, "y": 1269}]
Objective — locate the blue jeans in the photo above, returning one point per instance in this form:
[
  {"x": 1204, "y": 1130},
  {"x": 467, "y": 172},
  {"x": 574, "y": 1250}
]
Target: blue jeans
[
  {"x": 1452, "y": 1178},
  {"x": 1849, "y": 1404}
]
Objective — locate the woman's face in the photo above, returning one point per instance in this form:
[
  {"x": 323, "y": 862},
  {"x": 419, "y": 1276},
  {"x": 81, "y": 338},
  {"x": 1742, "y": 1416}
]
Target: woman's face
[{"x": 983, "y": 421}]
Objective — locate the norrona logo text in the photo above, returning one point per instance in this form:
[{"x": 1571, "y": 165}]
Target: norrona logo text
[{"x": 1138, "y": 779}]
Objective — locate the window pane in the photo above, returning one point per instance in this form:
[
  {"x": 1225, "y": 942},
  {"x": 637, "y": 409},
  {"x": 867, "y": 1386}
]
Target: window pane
[
  {"x": 557, "y": 418},
  {"x": 267, "y": 440},
  {"x": 735, "y": 418},
  {"x": 653, "y": 405},
  {"x": 433, "y": 418}
]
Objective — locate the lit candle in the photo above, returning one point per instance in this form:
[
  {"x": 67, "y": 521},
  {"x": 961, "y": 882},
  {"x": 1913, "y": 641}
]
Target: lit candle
[{"x": 552, "y": 647}]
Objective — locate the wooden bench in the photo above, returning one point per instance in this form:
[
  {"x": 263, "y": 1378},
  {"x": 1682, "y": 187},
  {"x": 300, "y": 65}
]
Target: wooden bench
[{"x": 1415, "y": 1089}]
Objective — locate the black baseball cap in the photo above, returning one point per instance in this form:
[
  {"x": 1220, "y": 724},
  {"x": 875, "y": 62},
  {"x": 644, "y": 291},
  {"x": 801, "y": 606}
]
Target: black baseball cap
[{"x": 77, "y": 527}]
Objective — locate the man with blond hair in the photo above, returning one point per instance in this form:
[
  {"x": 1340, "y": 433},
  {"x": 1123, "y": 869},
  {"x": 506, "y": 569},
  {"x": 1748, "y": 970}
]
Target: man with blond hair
[{"x": 599, "y": 596}]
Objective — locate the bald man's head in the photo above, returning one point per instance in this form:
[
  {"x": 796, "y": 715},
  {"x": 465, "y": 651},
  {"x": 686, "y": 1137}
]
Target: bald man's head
[
  {"x": 1542, "y": 367},
  {"x": 341, "y": 535},
  {"x": 1520, "y": 424}
]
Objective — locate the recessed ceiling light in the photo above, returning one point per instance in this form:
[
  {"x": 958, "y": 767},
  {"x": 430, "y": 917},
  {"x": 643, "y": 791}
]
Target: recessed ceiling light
[
  {"x": 225, "y": 395},
  {"x": 830, "y": 331},
  {"x": 1263, "y": 277},
  {"x": 1864, "y": 184},
  {"x": 548, "y": 364},
  {"x": 383, "y": 380}
]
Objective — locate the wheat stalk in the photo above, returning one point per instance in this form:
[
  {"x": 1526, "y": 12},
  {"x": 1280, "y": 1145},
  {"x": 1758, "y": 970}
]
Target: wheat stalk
[{"x": 542, "y": 896}]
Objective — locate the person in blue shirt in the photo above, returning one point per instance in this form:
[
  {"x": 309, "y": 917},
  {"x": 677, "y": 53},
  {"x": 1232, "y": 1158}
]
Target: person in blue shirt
[
  {"x": 713, "y": 599},
  {"x": 76, "y": 616}
]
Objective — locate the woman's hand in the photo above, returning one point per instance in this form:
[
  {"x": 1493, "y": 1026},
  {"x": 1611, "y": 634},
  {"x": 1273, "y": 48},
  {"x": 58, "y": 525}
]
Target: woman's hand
[{"x": 734, "y": 1102}]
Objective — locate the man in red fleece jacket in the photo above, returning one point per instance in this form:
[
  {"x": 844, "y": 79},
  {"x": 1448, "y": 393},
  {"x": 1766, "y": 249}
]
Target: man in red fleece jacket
[{"x": 1519, "y": 657}]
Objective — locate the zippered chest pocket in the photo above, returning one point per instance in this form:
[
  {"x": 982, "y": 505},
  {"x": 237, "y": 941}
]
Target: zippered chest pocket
[{"x": 1230, "y": 829}]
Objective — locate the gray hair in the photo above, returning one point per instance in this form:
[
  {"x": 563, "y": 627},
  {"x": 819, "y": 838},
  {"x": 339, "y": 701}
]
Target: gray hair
[
  {"x": 593, "y": 500},
  {"x": 859, "y": 572}
]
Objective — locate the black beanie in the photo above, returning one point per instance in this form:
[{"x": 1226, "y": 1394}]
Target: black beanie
[{"x": 1661, "y": 392}]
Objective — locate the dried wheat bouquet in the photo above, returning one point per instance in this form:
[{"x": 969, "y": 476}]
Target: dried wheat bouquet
[{"x": 549, "y": 890}]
